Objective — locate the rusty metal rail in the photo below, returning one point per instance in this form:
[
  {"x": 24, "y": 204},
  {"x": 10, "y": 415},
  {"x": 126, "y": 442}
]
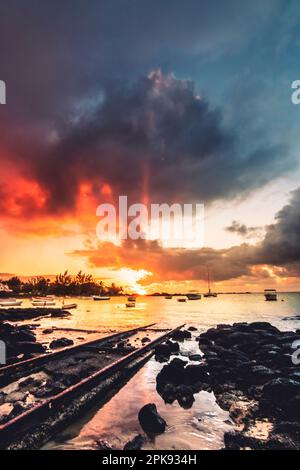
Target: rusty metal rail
[
  {"x": 13, "y": 371},
  {"x": 55, "y": 408}
]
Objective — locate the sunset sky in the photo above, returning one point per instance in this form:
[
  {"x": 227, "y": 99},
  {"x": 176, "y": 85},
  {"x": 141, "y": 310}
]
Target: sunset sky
[{"x": 162, "y": 101}]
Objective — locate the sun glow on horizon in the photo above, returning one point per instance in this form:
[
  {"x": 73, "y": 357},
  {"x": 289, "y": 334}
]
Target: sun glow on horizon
[{"x": 131, "y": 278}]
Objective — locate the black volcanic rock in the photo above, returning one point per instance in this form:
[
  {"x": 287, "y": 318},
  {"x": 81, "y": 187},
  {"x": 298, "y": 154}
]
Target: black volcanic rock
[
  {"x": 136, "y": 443},
  {"x": 181, "y": 335},
  {"x": 150, "y": 421},
  {"x": 61, "y": 343}
]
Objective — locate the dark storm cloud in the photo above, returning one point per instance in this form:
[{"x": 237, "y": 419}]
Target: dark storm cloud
[
  {"x": 242, "y": 229},
  {"x": 153, "y": 134},
  {"x": 281, "y": 245},
  {"x": 77, "y": 111},
  {"x": 54, "y": 51}
]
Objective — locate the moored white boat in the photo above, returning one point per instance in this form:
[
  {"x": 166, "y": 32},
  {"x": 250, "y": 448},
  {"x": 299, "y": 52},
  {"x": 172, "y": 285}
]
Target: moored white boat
[
  {"x": 47, "y": 298},
  {"x": 10, "y": 303},
  {"x": 130, "y": 304},
  {"x": 101, "y": 297},
  {"x": 42, "y": 303},
  {"x": 69, "y": 306},
  {"x": 270, "y": 294},
  {"x": 193, "y": 295}
]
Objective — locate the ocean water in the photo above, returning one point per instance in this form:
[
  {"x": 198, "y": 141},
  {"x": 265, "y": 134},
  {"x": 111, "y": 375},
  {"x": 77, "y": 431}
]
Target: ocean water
[
  {"x": 204, "y": 313},
  {"x": 203, "y": 425}
]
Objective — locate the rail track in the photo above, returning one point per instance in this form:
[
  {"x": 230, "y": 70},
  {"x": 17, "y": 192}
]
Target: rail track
[{"x": 48, "y": 392}]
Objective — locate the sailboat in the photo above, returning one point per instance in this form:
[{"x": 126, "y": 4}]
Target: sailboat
[{"x": 209, "y": 293}]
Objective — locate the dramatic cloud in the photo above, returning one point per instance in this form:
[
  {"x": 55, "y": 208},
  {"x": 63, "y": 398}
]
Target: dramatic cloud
[
  {"x": 153, "y": 138},
  {"x": 86, "y": 121},
  {"x": 243, "y": 230},
  {"x": 166, "y": 263},
  {"x": 281, "y": 245},
  {"x": 279, "y": 249}
]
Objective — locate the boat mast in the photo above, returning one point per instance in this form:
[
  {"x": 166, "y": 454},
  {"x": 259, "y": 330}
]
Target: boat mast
[{"x": 208, "y": 281}]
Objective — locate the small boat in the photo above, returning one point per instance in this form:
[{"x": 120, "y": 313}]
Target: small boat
[
  {"x": 270, "y": 294},
  {"x": 209, "y": 293},
  {"x": 100, "y": 297},
  {"x": 181, "y": 300},
  {"x": 43, "y": 299},
  {"x": 69, "y": 306},
  {"x": 193, "y": 295},
  {"x": 130, "y": 304},
  {"x": 131, "y": 298},
  {"x": 42, "y": 303},
  {"x": 11, "y": 303},
  {"x": 169, "y": 297}
]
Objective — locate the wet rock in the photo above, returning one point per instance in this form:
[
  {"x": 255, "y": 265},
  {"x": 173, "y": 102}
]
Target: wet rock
[
  {"x": 150, "y": 421},
  {"x": 281, "y": 442},
  {"x": 252, "y": 375},
  {"x": 185, "y": 396},
  {"x": 61, "y": 343},
  {"x": 58, "y": 313},
  {"x": 195, "y": 357},
  {"x": 18, "y": 314},
  {"x": 172, "y": 373},
  {"x": 281, "y": 389},
  {"x": 192, "y": 328},
  {"x": 30, "y": 347},
  {"x": 168, "y": 393},
  {"x": 260, "y": 374},
  {"x": 247, "y": 340},
  {"x": 262, "y": 326},
  {"x": 16, "y": 396},
  {"x": 103, "y": 445},
  {"x": 18, "y": 409},
  {"x": 195, "y": 373},
  {"x": 49, "y": 389},
  {"x": 289, "y": 427},
  {"x": 23, "y": 336},
  {"x": 145, "y": 340},
  {"x": 204, "y": 343},
  {"x": 164, "y": 351},
  {"x": 30, "y": 382},
  {"x": 48, "y": 331},
  {"x": 136, "y": 443},
  {"x": 173, "y": 346},
  {"x": 128, "y": 348},
  {"x": 238, "y": 440},
  {"x": 181, "y": 335},
  {"x": 2, "y": 398}
]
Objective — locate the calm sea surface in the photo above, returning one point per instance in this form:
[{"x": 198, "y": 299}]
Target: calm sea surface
[{"x": 203, "y": 425}]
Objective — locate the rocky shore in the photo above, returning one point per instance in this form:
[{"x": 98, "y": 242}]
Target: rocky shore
[
  {"x": 20, "y": 340},
  {"x": 249, "y": 368},
  {"x": 19, "y": 314}
]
